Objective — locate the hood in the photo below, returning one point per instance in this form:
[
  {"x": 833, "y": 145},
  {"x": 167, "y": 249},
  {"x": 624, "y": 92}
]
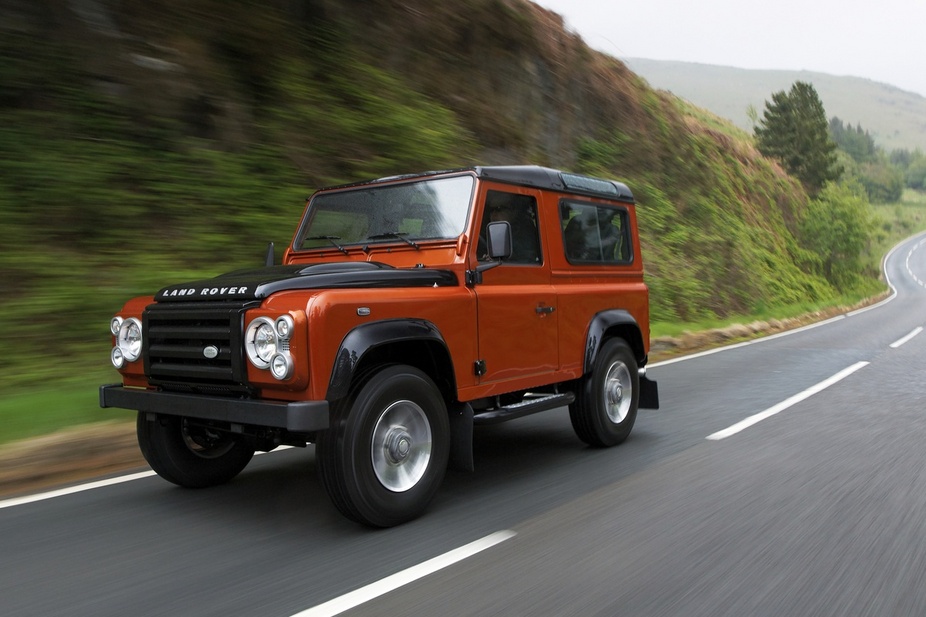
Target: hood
[{"x": 261, "y": 282}]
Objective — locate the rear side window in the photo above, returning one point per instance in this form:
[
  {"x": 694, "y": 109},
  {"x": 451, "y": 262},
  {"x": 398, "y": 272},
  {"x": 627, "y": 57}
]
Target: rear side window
[{"x": 593, "y": 233}]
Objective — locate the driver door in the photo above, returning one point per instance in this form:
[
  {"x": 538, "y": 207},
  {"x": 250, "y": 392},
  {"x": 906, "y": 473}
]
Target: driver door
[{"x": 516, "y": 304}]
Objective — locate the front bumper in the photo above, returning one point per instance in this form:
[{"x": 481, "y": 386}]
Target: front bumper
[{"x": 298, "y": 417}]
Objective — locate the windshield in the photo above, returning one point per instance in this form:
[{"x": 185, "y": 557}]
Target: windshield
[{"x": 424, "y": 210}]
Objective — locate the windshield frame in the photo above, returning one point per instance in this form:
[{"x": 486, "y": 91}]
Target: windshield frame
[{"x": 410, "y": 211}]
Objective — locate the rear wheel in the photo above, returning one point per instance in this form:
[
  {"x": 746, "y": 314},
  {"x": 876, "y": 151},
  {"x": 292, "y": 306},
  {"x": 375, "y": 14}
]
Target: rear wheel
[
  {"x": 188, "y": 454},
  {"x": 606, "y": 403},
  {"x": 386, "y": 452}
]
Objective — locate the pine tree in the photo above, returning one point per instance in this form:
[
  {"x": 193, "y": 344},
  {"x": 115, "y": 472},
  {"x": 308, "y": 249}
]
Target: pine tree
[{"x": 794, "y": 130}]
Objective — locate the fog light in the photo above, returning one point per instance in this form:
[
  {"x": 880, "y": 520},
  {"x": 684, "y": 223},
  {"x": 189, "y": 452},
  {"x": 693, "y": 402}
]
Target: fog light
[
  {"x": 117, "y": 357},
  {"x": 281, "y": 366},
  {"x": 115, "y": 325}
]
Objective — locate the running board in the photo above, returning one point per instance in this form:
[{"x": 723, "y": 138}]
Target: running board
[{"x": 524, "y": 408}]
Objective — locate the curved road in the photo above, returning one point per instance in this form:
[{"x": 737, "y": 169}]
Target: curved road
[{"x": 781, "y": 477}]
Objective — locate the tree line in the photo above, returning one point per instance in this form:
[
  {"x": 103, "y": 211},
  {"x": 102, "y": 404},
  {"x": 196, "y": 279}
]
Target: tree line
[{"x": 794, "y": 130}]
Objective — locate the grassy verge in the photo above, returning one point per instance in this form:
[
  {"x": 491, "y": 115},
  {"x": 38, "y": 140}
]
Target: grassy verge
[
  {"x": 34, "y": 411},
  {"x": 894, "y": 223}
]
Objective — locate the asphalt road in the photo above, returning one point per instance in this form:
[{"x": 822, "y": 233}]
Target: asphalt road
[{"x": 815, "y": 506}]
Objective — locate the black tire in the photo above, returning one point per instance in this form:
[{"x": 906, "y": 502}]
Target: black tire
[
  {"x": 385, "y": 455},
  {"x": 189, "y": 455},
  {"x": 604, "y": 411}
]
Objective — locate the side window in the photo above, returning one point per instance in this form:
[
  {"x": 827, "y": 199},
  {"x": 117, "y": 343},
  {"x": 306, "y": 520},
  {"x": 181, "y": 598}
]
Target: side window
[
  {"x": 521, "y": 213},
  {"x": 594, "y": 233}
]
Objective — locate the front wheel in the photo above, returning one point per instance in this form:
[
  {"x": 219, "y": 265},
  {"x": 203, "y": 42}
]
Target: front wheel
[
  {"x": 606, "y": 402},
  {"x": 189, "y": 454},
  {"x": 386, "y": 452}
]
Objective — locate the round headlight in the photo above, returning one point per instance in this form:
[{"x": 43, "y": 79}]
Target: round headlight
[
  {"x": 265, "y": 342},
  {"x": 260, "y": 341},
  {"x": 114, "y": 325},
  {"x": 281, "y": 366},
  {"x": 117, "y": 357},
  {"x": 129, "y": 339}
]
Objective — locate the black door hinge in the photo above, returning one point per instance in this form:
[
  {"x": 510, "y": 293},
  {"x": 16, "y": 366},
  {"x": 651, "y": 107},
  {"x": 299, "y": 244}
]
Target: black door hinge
[{"x": 479, "y": 367}]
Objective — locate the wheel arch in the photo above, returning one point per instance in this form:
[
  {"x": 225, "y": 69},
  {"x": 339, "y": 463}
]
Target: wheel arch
[
  {"x": 415, "y": 342},
  {"x": 613, "y": 323}
]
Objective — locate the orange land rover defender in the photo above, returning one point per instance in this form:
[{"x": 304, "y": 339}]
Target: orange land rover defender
[{"x": 406, "y": 310}]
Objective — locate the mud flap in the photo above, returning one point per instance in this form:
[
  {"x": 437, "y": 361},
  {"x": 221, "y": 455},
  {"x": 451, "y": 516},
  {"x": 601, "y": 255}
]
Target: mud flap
[
  {"x": 649, "y": 393},
  {"x": 461, "y": 437}
]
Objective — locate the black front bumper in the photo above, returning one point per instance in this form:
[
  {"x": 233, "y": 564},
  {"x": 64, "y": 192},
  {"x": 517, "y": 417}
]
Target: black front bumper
[{"x": 298, "y": 417}]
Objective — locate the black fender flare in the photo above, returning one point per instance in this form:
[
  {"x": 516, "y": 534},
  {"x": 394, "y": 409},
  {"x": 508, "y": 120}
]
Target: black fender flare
[
  {"x": 622, "y": 324},
  {"x": 367, "y": 337}
]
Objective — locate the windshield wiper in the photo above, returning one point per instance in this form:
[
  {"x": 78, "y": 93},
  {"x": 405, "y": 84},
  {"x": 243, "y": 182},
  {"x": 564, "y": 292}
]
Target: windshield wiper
[
  {"x": 398, "y": 235},
  {"x": 330, "y": 239}
]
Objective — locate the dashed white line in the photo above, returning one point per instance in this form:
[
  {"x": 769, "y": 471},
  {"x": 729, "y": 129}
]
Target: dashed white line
[
  {"x": 794, "y": 400},
  {"x": 910, "y": 269},
  {"x": 905, "y": 339},
  {"x": 400, "y": 579}
]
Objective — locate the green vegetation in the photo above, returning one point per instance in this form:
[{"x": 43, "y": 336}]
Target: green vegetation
[
  {"x": 793, "y": 130},
  {"x": 118, "y": 178}
]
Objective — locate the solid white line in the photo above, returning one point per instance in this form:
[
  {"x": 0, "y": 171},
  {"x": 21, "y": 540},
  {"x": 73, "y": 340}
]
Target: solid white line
[
  {"x": 893, "y": 295},
  {"x": 794, "y": 400},
  {"x": 18, "y": 501},
  {"x": 89, "y": 486},
  {"x": 400, "y": 579},
  {"x": 900, "y": 342},
  {"x": 770, "y": 337}
]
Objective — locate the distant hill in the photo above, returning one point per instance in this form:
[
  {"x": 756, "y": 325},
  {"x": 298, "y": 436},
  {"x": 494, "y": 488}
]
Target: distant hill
[{"x": 894, "y": 117}]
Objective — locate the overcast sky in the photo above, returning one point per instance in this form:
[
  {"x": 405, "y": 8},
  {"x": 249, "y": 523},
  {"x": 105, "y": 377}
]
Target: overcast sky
[{"x": 883, "y": 40}]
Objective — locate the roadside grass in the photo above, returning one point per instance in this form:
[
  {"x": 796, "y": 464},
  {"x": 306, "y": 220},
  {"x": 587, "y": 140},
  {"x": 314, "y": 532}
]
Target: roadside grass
[
  {"x": 663, "y": 329},
  {"x": 39, "y": 410},
  {"x": 893, "y": 223}
]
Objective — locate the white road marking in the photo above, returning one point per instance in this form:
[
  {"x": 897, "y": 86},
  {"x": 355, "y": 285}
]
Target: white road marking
[
  {"x": 900, "y": 342},
  {"x": 910, "y": 269},
  {"x": 794, "y": 400},
  {"x": 18, "y": 501},
  {"x": 89, "y": 486},
  {"x": 771, "y": 337},
  {"x": 400, "y": 579}
]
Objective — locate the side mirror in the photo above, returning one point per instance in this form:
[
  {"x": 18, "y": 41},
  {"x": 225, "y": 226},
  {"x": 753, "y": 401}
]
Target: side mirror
[
  {"x": 498, "y": 246},
  {"x": 498, "y": 240}
]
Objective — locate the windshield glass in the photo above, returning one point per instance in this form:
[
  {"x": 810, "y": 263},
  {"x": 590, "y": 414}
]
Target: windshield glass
[{"x": 424, "y": 210}]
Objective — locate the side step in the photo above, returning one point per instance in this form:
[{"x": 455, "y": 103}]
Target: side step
[{"x": 526, "y": 407}]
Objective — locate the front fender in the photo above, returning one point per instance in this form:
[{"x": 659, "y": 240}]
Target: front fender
[{"x": 365, "y": 338}]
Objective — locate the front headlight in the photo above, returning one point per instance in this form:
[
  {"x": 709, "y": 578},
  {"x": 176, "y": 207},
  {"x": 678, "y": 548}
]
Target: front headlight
[
  {"x": 267, "y": 345},
  {"x": 128, "y": 340},
  {"x": 264, "y": 341}
]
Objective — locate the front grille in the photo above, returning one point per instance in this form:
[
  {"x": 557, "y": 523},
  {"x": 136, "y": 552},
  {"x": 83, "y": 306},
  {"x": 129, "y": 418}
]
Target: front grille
[{"x": 176, "y": 336}]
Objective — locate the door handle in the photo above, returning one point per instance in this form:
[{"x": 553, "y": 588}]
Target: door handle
[{"x": 544, "y": 310}]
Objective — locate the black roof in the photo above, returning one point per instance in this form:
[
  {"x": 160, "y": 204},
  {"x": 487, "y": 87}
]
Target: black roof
[{"x": 532, "y": 176}]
